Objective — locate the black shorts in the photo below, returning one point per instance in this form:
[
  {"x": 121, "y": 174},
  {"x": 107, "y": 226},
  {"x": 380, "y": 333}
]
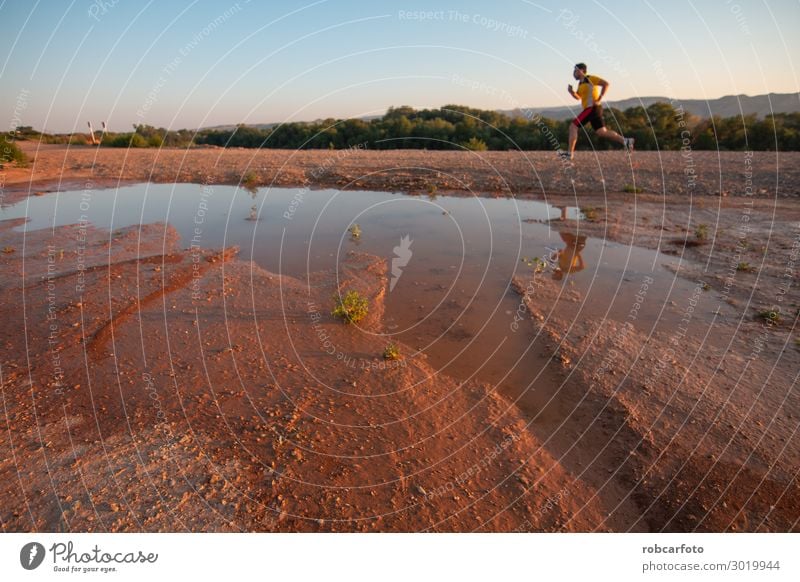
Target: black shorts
[{"x": 593, "y": 115}]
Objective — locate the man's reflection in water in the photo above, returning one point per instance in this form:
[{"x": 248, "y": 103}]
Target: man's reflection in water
[{"x": 569, "y": 260}]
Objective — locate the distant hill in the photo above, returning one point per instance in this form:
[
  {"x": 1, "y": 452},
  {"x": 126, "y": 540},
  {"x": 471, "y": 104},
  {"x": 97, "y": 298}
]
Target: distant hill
[{"x": 728, "y": 106}]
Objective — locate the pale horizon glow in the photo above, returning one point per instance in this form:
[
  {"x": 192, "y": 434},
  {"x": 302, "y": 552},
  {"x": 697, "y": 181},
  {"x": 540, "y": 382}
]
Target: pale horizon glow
[{"x": 198, "y": 63}]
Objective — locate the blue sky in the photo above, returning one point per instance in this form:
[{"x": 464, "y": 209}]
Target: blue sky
[{"x": 199, "y": 63}]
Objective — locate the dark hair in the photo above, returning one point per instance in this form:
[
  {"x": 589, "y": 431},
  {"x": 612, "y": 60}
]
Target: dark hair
[{"x": 581, "y": 66}]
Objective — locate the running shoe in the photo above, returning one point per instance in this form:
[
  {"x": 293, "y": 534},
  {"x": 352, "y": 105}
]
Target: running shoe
[{"x": 628, "y": 144}]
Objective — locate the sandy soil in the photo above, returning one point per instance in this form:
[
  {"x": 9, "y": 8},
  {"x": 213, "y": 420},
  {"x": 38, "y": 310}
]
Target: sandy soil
[
  {"x": 500, "y": 173},
  {"x": 149, "y": 389}
]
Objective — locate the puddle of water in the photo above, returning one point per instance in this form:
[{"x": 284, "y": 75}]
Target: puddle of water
[{"x": 451, "y": 259}]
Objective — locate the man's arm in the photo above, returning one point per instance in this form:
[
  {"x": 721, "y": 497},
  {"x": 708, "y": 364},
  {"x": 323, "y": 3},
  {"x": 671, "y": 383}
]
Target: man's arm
[
  {"x": 571, "y": 91},
  {"x": 603, "y": 84}
]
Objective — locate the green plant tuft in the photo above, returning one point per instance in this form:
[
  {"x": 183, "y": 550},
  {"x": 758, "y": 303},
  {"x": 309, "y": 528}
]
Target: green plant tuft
[
  {"x": 10, "y": 152},
  {"x": 475, "y": 145},
  {"x": 391, "y": 352},
  {"x": 770, "y": 317},
  {"x": 352, "y": 308}
]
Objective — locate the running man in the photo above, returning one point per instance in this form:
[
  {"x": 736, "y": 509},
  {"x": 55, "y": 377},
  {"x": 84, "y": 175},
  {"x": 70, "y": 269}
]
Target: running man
[{"x": 591, "y": 90}]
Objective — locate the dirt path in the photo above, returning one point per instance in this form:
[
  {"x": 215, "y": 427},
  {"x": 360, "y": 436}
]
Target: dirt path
[{"x": 756, "y": 174}]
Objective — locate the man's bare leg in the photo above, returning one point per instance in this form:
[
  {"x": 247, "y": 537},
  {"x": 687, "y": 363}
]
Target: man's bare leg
[
  {"x": 573, "y": 139},
  {"x": 610, "y": 134}
]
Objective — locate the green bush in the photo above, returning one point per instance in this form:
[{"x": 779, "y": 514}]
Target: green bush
[
  {"x": 391, "y": 352},
  {"x": 476, "y": 145},
  {"x": 137, "y": 141},
  {"x": 117, "y": 141},
  {"x": 9, "y": 152},
  {"x": 127, "y": 140},
  {"x": 352, "y": 308}
]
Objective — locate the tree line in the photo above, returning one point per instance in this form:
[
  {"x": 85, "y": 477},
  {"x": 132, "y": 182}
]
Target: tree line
[{"x": 659, "y": 126}]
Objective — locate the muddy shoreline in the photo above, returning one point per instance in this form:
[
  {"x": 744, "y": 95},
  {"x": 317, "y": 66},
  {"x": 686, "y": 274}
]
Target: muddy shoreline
[{"x": 163, "y": 401}]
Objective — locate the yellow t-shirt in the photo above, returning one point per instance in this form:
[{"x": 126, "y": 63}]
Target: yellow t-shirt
[{"x": 589, "y": 90}]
